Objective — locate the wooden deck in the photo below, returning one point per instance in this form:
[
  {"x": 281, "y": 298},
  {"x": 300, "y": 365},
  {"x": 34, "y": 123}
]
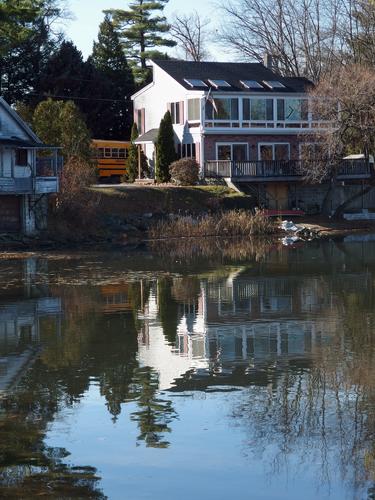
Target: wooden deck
[{"x": 278, "y": 171}]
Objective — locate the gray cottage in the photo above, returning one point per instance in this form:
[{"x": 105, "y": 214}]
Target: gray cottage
[{"x": 28, "y": 174}]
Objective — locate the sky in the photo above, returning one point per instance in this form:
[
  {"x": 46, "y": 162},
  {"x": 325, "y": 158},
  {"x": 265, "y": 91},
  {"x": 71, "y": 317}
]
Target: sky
[{"x": 88, "y": 14}]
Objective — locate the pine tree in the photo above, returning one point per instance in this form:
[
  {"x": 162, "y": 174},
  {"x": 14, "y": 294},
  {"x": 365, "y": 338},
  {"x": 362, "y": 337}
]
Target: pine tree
[
  {"x": 108, "y": 58},
  {"x": 64, "y": 72},
  {"x": 142, "y": 29},
  {"x": 26, "y": 42},
  {"x": 133, "y": 156},
  {"x": 165, "y": 149}
]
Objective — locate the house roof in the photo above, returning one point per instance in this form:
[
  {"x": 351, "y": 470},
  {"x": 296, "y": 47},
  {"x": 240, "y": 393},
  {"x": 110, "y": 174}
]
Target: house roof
[
  {"x": 232, "y": 73},
  {"x": 8, "y": 109},
  {"x": 20, "y": 143},
  {"x": 150, "y": 136}
]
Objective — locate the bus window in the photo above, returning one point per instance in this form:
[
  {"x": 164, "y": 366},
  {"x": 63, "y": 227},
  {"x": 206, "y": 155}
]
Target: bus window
[
  {"x": 100, "y": 153},
  {"x": 107, "y": 153},
  {"x": 121, "y": 153},
  {"x": 114, "y": 152}
]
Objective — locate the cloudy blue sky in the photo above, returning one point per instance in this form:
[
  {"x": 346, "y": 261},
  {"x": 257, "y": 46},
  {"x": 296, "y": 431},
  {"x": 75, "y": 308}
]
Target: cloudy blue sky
[{"x": 88, "y": 14}]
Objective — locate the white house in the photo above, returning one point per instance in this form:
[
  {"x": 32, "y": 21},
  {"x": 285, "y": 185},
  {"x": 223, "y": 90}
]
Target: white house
[
  {"x": 28, "y": 173},
  {"x": 241, "y": 121}
]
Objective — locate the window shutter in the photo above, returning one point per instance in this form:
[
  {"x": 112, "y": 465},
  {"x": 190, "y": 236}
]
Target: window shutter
[
  {"x": 135, "y": 117},
  {"x": 182, "y": 118},
  {"x": 143, "y": 120}
]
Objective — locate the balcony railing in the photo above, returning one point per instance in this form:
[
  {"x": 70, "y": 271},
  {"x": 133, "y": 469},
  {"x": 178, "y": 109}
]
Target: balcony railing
[
  {"x": 42, "y": 179},
  {"x": 14, "y": 185},
  {"x": 279, "y": 169}
]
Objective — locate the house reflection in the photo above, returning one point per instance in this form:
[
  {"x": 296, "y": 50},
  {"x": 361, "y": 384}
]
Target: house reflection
[
  {"x": 240, "y": 328},
  {"x": 20, "y": 326}
]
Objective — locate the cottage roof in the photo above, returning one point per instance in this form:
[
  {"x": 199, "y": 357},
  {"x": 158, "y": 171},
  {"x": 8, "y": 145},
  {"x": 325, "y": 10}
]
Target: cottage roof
[{"x": 233, "y": 74}]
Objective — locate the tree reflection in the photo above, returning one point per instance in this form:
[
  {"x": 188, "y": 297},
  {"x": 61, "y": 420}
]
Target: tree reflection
[
  {"x": 154, "y": 413},
  {"x": 26, "y": 464},
  {"x": 167, "y": 309}
]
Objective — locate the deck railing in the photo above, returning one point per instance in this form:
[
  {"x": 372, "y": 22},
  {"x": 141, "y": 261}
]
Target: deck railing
[{"x": 279, "y": 169}]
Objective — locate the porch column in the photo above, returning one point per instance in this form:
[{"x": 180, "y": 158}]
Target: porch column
[{"x": 139, "y": 160}]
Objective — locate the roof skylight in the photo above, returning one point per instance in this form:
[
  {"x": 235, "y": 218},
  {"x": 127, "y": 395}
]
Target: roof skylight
[
  {"x": 251, "y": 84},
  {"x": 194, "y": 82},
  {"x": 219, "y": 83},
  {"x": 274, "y": 84}
]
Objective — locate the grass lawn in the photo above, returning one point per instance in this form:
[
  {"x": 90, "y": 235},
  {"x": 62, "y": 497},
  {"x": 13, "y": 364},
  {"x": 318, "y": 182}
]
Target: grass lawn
[{"x": 132, "y": 198}]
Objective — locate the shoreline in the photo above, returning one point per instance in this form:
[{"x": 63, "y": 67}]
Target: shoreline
[{"x": 319, "y": 227}]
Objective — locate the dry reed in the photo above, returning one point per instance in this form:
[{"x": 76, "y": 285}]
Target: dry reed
[{"x": 232, "y": 223}]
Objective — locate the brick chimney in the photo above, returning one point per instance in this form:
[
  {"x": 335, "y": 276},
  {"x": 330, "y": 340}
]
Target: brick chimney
[{"x": 269, "y": 61}]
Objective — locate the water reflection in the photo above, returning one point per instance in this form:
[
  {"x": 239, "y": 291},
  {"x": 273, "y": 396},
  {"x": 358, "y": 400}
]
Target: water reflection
[{"x": 286, "y": 343}]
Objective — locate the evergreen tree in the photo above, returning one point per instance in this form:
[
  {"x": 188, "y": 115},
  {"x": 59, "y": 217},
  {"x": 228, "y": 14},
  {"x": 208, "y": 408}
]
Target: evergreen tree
[
  {"x": 67, "y": 75},
  {"x": 142, "y": 29},
  {"x": 23, "y": 57},
  {"x": 64, "y": 73},
  {"x": 16, "y": 20},
  {"x": 133, "y": 155},
  {"x": 109, "y": 60},
  {"x": 165, "y": 149},
  {"x": 167, "y": 310}
]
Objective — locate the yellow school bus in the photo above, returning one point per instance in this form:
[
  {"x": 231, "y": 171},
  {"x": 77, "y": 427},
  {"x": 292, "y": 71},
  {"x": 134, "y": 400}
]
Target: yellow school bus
[{"x": 111, "y": 158}]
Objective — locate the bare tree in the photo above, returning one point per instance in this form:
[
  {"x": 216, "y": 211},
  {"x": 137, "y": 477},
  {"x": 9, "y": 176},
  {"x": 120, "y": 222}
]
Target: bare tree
[
  {"x": 306, "y": 37},
  {"x": 191, "y": 34},
  {"x": 344, "y": 104}
]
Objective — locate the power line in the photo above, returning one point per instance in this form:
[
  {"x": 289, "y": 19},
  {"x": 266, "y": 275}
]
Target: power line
[{"x": 81, "y": 98}]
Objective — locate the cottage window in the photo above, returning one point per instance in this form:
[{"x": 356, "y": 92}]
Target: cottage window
[{"x": 21, "y": 157}]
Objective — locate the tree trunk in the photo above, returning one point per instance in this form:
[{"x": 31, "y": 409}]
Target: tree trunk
[{"x": 340, "y": 209}]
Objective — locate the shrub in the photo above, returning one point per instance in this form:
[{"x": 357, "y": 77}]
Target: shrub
[
  {"x": 74, "y": 202},
  {"x": 185, "y": 172}
]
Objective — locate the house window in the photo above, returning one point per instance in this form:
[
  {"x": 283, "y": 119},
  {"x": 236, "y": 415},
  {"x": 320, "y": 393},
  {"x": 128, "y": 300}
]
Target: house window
[
  {"x": 310, "y": 151},
  {"x": 292, "y": 110},
  {"x": 177, "y": 112},
  {"x": 257, "y": 109},
  {"x": 226, "y": 109},
  {"x": 140, "y": 118},
  {"x": 187, "y": 150},
  {"x": 234, "y": 152},
  {"x": 194, "y": 109},
  {"x": 21, "y": 157},
  {"x": 277, "y": 152}
]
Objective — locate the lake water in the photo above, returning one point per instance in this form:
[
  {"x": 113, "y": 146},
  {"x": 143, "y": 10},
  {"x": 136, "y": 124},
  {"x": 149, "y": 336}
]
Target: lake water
[{"x": 201, "y": 373}]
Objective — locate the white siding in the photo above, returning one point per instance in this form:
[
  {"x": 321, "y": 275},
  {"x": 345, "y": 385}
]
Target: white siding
[{"x": 156, "y": 98}]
